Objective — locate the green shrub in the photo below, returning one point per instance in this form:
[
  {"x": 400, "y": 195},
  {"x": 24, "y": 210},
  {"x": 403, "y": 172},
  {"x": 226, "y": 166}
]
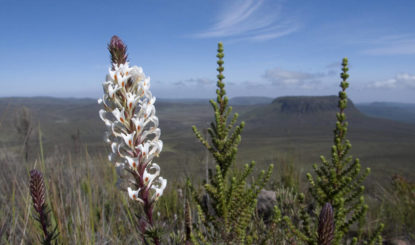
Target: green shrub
[{"x": 337, "y": 183}]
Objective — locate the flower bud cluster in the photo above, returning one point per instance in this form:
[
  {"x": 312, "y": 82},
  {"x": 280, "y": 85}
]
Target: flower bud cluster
[{"x": 132, "y": 126}]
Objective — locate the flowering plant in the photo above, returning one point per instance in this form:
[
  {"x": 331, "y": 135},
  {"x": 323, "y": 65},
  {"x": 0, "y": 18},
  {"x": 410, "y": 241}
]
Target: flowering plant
[
  {"x": 38, "y": 194},
  {"x": 132, "y": 128}
]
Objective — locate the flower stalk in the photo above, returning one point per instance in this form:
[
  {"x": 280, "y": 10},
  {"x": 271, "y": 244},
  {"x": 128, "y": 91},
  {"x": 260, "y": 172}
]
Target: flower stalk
[
  {"x": 132, "y": 130},
  {"x": 326, "y": 225},
  {"x": 38, "y": 194}
]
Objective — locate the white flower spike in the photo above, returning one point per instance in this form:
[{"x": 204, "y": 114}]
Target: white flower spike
[{"x": 133, "y": 131}]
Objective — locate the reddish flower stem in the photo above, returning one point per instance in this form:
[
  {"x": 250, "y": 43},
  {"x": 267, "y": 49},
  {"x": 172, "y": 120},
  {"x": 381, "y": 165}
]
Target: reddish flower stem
[{"x": 148, "y": 204}]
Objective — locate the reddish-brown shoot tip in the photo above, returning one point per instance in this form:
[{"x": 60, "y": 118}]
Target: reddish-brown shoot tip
[
  {"x": 326, "y": 225},
  {"x": 118, "y": 50},
  {"x": 37, "y": 190}
]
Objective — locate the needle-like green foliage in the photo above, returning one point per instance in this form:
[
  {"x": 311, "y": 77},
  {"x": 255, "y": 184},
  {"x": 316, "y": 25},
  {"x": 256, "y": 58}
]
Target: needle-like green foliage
[
  {"x": 338, "y": 183},
  {"x": 232, "y": 202}
]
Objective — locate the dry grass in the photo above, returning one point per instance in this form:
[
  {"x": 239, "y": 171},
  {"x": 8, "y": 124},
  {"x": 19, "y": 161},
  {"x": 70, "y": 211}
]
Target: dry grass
[{"x": 89, "y": 208}]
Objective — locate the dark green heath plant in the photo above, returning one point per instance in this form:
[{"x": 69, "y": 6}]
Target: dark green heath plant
[
  {"x": 232, "y": 201},
  {"x": 338, "y": 183}
]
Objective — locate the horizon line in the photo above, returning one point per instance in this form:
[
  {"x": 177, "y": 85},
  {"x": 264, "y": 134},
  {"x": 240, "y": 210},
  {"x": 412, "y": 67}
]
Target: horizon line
[{"x": 193, "y": 98}]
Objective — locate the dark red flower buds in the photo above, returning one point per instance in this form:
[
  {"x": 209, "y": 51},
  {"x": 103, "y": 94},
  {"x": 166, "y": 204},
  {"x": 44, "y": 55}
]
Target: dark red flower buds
[
  {"x": 37, "y": 190},
  {"x": 118, "y": 50},
  {"x": 326, "y": 225}
]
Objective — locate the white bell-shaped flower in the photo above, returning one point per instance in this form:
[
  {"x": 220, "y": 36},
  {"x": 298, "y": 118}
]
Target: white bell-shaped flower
[
  {"x": 155, "y": 121},
  {"x": 129, "y": 139},
  {"x": 139, "y": 124},
  {"x": 147, "y": 110},
  {"x": 102, "y": 115},
  {"x": 134, "y": 194},
  {"x": 119, "y": 115},
  {"x": 143, "y": 88},
  {"x": 146, "y": 83},
  {"x": 149, "y": 177},
  {"x": 159, "y": 185},
  {"x": 157, "y": 146},
  {"x": 133, "y": 162},
  {"x": 120, "y": 74},
  {"x": 112, "y": 89},
  {"x": 137, "y": 74},
  {"x": 155, "y": 131},
  {"x": 132, "y": 100},
  {"x": 144, "y": 149}
]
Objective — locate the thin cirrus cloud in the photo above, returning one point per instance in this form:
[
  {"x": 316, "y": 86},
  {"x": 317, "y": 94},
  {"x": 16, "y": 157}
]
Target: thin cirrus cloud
[
  {"x": 293, "y": 79},
  {"x": 253, "y": 85},
  {"x": 333, "y": 68},
  {"x": 392, "y": 45},
  {"x": 256, "y": 20},
  {"x": 401, "y": 80},
  {"x": 195, "y": 82}
]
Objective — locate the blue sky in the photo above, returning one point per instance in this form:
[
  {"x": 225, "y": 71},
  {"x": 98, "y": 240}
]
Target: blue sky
[{"x": 272, "y": 48}]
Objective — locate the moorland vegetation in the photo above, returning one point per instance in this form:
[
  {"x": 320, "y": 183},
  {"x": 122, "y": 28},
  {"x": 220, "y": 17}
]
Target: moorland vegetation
[{"x": 84, "y": 199}]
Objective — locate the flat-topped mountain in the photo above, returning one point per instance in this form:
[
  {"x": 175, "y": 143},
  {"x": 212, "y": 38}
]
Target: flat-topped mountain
[
  {"x": 308, "y": 104},
  {"x": 250, "y": 100},
  {"x": 296, "y": 110},
  {"x": 298, "y": 116}
]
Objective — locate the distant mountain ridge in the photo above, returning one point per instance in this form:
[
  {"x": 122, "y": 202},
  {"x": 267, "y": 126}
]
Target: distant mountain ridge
[
  {"x": 404, "y": 112},
  {"x": 250, "y": 100},
  {"x": 401, "y": 112},
  {"x": 297, "y": 115},
  {"x": 308, "y": 104},
  {"x": 295, "y": 105}
]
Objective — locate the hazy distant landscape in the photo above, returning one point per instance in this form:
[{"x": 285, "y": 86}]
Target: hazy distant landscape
[
  {"x": 283, "y": 130},
  {"x": 404, "y": 112}
]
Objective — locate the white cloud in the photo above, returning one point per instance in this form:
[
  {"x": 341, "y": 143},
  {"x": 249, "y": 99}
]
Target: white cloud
[
  {"x": 334, "y": 65},
  {"x": 333, "y": 68},
  {"x": 401, "y": 80},
  {"x": 392, "y": 45},
  {"x": 390, "y": 83},
  {"x": 251, "y": 85},
  {"x": 195, "y": 82},
  {"x": 293, "y": 79},
  {"x": 256, "y": 20}
]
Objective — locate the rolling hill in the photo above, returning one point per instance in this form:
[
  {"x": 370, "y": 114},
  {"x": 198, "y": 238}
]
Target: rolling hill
[
  {"x": 403, "y": 112},
  {"x": 289, "y": 129}
]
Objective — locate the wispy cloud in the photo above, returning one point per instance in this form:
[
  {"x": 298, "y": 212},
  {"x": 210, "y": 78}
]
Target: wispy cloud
[
  {"x": 333, "y": 68},
  {"x": 392, "y": 45},
  {"x": 293, "y": 79},
  {"x": 334, "y": 65},
  {"x": 251, "y": 85},
  {"x": 195, "y": 82},
  {"x": 401, "y": 80},
  {"x": 256, "y": 20}
]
